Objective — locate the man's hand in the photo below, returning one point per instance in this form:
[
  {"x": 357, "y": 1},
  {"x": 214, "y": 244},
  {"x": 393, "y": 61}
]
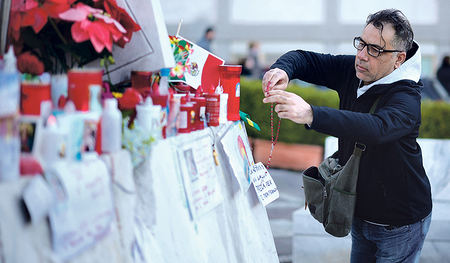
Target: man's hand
[
  {"x": 275, "y": 79},
  {"x": 290, "y": 106}
]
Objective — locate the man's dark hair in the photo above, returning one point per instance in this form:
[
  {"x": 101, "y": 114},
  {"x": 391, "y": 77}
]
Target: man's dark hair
[
  {"x": 446, "y": 61},
  {"x": 404, "y": 34}
]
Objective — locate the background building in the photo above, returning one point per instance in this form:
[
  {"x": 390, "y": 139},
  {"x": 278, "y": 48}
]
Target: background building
[{"x": 320, "y": 25}]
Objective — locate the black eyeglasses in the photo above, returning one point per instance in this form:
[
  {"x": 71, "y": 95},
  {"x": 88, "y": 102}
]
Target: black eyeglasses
[{"x": 372, "y": 50}]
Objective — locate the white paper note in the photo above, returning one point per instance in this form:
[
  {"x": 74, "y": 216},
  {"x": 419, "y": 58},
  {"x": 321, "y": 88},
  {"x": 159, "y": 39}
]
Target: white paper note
[{"x": 264, "y": 184}]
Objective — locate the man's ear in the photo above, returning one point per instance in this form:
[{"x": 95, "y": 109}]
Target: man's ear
[{"x": 401, "y": 56}]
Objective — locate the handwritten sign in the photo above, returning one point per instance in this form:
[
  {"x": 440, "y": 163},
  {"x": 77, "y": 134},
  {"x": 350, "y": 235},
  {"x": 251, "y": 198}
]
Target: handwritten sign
[
  {"x": 199, "y": 176},
  {"x": 84, "y": 207},
  {"x": 264, "y": 185}
]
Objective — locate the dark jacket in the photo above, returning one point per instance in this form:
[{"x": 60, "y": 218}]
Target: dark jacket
[{"x": 393, "y": 187}]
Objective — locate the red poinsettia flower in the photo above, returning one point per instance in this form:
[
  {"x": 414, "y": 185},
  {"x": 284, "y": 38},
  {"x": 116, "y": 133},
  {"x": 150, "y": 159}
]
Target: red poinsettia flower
[
  {"x": 35, "y": 13},
  {"x": 29, "y": 63},
  {"x": 122, "y": 17},
  {"x": 91, "y": 24},
  {"x": 15, "y": 22}
]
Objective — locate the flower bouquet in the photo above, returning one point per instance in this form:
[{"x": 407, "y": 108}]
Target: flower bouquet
[{"x": 63, "y": 34}]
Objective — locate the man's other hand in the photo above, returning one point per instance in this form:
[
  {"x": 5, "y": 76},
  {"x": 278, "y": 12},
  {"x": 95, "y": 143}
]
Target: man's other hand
[{"x": 290, "y": 106}]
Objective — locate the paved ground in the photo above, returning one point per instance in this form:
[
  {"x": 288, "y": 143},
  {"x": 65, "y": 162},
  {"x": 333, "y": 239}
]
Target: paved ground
[
  {"x": 289, "y": 183},
  {"x": 291, "y": 198}
]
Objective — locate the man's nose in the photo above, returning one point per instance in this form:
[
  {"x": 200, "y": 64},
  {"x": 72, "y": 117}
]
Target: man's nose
[{"x": 362, "y": 54}]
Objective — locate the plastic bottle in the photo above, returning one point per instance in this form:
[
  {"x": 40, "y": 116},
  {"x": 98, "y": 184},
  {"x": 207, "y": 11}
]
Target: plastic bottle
[
  {"x": 200, "y": 109},
  {"x": 212, "y": 108},
  {"x": 164, "y": 81},
  {"x": 164, "y": 114},
  {"x": 186, "y": 115},
  {"x": 111, "y": 123},
  {"x": 69, "y": 108},
  {"x": 54, "y": 142},
  {"x": 195, "y": 110},
  {"x": 223, "y": 105},
  {"x": 223, "y": 116},
  {"x": 68, "y": 124},
  {"x": 9, "y": 124},
  {"x": 45, "y": 111},
  {"x": 10, "y": 85},
  {"x": 148, "y": 115},
  {"x": 174, "y": 110},
  {"x": 95, "y": 97}
]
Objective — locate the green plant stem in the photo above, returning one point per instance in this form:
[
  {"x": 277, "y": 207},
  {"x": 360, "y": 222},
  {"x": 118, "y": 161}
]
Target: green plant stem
[
  {"x": 51, "y": 52},
  {"x": 106, "y": 69},
  {"x": 57, "y": 30}
]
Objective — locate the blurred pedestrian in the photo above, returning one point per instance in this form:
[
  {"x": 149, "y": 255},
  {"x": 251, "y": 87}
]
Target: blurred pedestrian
[
  {"x": 207, "y": 38},
  {"x": 443, "y": 73},
  {"x": 245, "y": 71},
  {"x": 253, "y": 61}
]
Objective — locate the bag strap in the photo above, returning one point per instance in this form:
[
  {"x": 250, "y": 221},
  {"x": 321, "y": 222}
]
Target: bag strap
[
  {"x": 374, "y": 106},
  {"x": 361, "y": 147}
]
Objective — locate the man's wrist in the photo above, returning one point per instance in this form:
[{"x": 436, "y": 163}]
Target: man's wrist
[{"x": 311, "y": 114}]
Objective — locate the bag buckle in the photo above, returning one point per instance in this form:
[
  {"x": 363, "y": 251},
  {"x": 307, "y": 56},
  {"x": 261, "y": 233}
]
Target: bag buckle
[{"x": 360, "y": 146}]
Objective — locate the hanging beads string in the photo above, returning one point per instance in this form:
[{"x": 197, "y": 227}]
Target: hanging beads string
[{"x": 273, "y": 142}]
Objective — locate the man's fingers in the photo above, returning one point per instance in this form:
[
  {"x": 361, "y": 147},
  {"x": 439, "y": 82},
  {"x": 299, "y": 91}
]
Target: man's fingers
[
  {"x": 281, "y": 108},
  {"x": 268, "y": 81},
  {"x": 274, "y": 79},
  {"x": 276, "y": 97},
  {"x": 277, "y": 92},
  {"x": 290, "y": 106},
  {"x": 283, "y": 115},
  {"x": 270, "y": 99}
]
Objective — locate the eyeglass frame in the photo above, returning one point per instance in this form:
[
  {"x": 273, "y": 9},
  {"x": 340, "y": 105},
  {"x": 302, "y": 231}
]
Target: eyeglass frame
[{"x": 380, "y": 50}]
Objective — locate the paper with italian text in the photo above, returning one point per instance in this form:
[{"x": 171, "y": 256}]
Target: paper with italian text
[
  {"x": 199, "y": 175},
  {"x": 264, "y": 184}
]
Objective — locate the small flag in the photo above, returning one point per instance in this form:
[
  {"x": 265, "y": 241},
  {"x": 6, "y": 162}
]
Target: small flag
[
  {"x": 246, "y": 118},
  {"x": 193, "y": 64}
]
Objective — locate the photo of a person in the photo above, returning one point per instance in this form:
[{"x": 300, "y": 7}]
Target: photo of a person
[
  {"x": 89, "y": 136},
  {"x": 192, "y": 168},
  {"x": 27, "y": 132}
]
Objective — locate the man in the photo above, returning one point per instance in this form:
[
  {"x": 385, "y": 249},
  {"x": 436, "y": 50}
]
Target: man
[
  {"x": 207, "y": 38},
  {"x": 393, "y": 207},
  {"x": 443, "y": 74}
]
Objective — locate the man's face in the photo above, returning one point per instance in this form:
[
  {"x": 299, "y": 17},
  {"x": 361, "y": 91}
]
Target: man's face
[
  {"x": 370, "y": 69},
  {"x": 210, "y": 35}
]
